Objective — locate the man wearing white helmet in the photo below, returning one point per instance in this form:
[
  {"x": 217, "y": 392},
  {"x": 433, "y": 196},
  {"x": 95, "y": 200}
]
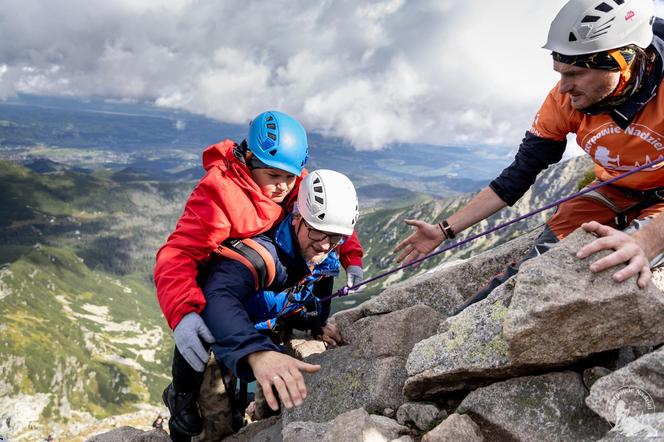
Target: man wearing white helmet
[
  {"x": 609, "y": 56},
  {"x": 258, "y": 288}
]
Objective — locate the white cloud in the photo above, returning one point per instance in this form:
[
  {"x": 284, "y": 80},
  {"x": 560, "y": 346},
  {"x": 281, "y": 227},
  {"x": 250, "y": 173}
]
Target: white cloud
[{"x": 374, "y": 72}]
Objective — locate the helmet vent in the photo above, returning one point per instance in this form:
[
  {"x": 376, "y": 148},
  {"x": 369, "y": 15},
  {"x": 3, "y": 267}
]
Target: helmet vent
[
  {"x": 273, "y": 152},
  {"x": 603, "y": 7},
  {"x": 590, "y": 18},
  {"x": 269, "y": 118},
  {"x": 271, "y": 126},
  {"x": 572, "y": 37},
  {"x": 321, "y": 216},
  {"x": 317, "y": 180},
  {"x": 272, "y": 136},
  {"x": 318, "y": 189},
  {"x": 319, "y": 200},
  {"x": 619, "y": 2}
]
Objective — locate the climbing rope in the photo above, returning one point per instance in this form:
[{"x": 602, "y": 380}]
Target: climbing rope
[{"x": 344, "y": 291}]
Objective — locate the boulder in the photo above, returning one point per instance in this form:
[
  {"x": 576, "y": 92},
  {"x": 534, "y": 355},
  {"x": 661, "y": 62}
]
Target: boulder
[
  {"x": 346, "y": 382},
  {"x": 470, "y": 351},
  {"x": 266, "y": 430},
  {"x": 354, "y": 425},
  {"x": 542, "y": 408},
  {"x": 637, "y": 387},
  {"x": 130, "y": 434},
  {"x": 392, "y": 334},
  {"x": 456, "y": 428},
  {"x": 560, "y": 311},
  {"x": 420, "y": 415}
]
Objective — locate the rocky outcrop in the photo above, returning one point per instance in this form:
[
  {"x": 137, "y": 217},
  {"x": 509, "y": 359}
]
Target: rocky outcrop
[
  {"x": 129, "y": 434},
  {"x": 456, "y": 428},
  {"x": 346, "y": 382},
  {"x": 561, "y": 312},
  {"x": 542, "y": 408},
  {"x": 639, "y": 387},
  {"x": 422, "y": 416},
  {"x": 515, "y": 366},
  {"x": 355, "y": 425}
]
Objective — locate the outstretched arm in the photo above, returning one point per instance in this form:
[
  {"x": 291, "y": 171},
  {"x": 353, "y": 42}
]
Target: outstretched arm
[
  {"x": 429, "y": 236},
  {"x": 636, "y": 250}
]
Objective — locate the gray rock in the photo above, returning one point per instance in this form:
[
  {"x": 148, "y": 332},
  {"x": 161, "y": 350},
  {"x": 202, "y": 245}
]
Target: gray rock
[
  {"x": 346, "y": 382},
  {"x": 130, "y": 434},
  {"x": 446, "y": 287},
  {"x": 456, "y": 428},
  {"x": 266, "y": 430},
  {"x": 304, "y": 431},
  {"x": 558, "y": 319},
  {"x": 470, "y": 352},
  {"x": 542, "y": 408},
  {"x": 354, "y": 425},
  {"x": 647, "y": 427},
  {"x": 633, "y": 386},
  {"x": 592, "y": 375},
  {"x": 392, "y": 334},
  {"x": 422, "y": 416}
]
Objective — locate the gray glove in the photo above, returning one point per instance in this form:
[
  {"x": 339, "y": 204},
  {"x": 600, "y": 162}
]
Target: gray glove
[
  {"x": 188, "y": 334},
  {"x": 355, "y": 275}
]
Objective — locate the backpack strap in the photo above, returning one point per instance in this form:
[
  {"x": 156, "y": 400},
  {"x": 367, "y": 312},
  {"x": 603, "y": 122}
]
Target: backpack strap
[{"x": 254, "y": 256}]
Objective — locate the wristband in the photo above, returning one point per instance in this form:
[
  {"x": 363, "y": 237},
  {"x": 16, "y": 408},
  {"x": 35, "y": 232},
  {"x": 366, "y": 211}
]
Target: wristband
[{"x": 446, "y": 229}]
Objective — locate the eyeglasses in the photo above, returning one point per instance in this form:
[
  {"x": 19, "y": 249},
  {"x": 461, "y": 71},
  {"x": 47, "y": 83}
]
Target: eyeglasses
[{"x": 317, "y": 235}]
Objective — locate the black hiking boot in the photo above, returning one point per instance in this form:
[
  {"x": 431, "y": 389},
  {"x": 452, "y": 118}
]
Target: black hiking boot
[{"x": 185, "y": 418}]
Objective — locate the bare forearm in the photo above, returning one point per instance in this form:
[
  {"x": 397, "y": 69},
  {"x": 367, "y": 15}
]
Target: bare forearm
[
  {"x": 482, "y": 206},
  {"x": 651, "y": 237}
]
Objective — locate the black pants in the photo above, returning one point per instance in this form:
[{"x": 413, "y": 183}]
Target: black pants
[{"x": 185, "y": 378}]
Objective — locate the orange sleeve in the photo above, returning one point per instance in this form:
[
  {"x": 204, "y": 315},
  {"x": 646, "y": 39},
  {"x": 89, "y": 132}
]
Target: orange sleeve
[{"x": 555, "y": 118}]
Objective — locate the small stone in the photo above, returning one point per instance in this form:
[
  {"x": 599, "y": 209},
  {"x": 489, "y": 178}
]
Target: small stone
[{"x": 422, "y": 416}]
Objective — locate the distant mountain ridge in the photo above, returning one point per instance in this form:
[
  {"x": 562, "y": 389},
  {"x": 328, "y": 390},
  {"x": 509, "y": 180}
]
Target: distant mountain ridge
[{"x": 166, "y": 144}]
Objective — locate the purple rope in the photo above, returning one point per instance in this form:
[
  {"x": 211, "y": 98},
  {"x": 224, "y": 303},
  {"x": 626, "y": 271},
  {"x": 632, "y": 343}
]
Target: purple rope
[{"x": 346, "y": 290}]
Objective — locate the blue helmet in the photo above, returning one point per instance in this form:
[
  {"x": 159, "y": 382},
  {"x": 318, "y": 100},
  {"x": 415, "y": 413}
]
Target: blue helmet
[{"x": 279, "y": 141}]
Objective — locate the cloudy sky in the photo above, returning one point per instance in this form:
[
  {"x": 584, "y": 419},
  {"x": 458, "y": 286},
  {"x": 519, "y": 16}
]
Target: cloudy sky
[{"x": 448, "y": 72}]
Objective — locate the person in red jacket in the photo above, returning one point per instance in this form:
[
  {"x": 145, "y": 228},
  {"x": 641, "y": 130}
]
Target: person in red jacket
[{"x": 247, "y": 189}]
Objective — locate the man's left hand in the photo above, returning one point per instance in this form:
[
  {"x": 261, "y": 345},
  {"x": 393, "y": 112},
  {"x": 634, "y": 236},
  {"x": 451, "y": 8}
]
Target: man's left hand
[{"x": 627, "y": 249}]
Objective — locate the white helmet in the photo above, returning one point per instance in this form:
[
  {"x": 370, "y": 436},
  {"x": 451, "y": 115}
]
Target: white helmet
[
  {"x": 589, "y": 26},
  {"x": 327, "y": 201}
]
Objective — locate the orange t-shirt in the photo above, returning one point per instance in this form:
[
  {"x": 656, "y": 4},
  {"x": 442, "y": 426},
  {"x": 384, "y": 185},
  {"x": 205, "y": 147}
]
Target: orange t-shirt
[{"x": 613, "y": 149}]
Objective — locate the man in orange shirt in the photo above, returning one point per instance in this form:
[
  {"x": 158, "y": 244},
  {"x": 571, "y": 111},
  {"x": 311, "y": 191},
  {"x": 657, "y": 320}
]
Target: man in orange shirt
[{"x": 609, "y": 56}]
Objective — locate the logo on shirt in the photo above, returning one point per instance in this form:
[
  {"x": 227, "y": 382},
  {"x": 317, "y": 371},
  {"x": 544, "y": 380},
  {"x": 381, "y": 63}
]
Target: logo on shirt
[{"x": 615, "y": 149}]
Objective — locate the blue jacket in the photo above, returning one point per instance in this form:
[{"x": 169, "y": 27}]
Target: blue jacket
[{"x": 235, "y": 311}]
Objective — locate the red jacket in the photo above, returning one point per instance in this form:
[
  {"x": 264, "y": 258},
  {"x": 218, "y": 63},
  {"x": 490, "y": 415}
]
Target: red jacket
[{"x": 226, "y": 203}]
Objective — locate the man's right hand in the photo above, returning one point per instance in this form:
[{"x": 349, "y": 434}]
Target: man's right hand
[
  {"x": 285, "y": 373},
  {"x": 188, "y": 334},
  {"x": 424, "y": 241}
]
